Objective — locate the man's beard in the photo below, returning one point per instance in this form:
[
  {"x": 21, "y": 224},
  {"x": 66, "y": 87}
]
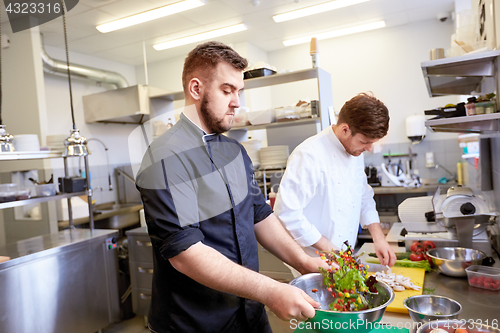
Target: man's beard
[{"x": 213, "y": 124}]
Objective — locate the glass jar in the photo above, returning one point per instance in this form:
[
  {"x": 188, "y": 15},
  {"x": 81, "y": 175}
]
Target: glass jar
[{"x": 471, "y": 106}]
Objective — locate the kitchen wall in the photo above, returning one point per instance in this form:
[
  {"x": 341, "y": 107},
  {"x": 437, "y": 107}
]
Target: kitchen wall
[
  {"x": 38, "y": 103},
  {"x": 385, "y": 62},
  {"x": 112, "y": 135}
]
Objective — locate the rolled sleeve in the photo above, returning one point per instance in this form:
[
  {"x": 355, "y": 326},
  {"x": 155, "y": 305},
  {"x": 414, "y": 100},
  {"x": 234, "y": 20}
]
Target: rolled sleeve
[
  {"x": 180, "y": 241},
  {"x": 308, "y": 238}
]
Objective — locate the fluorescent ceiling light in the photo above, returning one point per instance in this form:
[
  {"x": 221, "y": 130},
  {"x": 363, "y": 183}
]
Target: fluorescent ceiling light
[
  {"x": 324, "y": 7},
  {"x": 150, "y": 15},
  {"x": 199, "y": 37},
  {"x": 336, "y": 33}
]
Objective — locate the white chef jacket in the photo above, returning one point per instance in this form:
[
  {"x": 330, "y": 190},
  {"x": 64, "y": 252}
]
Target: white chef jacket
[{"x": 324, "y": 191}]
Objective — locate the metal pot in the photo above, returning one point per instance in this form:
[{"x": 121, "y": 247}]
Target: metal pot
[{"x": 453, "y": 261}]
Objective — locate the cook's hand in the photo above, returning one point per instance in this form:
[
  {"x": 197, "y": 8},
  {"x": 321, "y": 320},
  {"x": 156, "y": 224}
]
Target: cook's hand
[
  {"x": 289, "y": 302},
  {"x": 318, "y": 262},
  {"x": 385, "y": 253}
]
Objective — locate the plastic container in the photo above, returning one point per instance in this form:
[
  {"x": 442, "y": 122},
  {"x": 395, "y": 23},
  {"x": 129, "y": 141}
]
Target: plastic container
[
  {"x": 45, "y": 190},
  {"x": 490, "y": 107},
  {"x": 484, "y": 277},
  {"x": 8, "y": 192},
  {"x": 481, "y": 107},
  {"x": 261, "y": 117},
  {"x": 23, "y": 194}
]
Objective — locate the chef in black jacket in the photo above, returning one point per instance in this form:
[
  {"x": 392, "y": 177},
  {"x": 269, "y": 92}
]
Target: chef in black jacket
[{"x": 205, "y": 214}]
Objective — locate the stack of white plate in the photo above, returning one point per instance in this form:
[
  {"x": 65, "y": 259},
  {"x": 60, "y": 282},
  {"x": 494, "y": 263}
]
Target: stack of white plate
[
  {"x": 56, "y": 142},
  {"x": 273, "y": 157},
  {"x": 26, "y": 142},
  {"x": 253, "y": 147}
]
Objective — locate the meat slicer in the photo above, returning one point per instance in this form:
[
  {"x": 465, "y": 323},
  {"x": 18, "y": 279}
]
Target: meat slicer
[{"x": 457, "y": 218}]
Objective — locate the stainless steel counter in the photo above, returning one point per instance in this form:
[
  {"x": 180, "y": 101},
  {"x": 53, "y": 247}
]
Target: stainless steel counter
[
  {"x": 407, "y": 190},
  {"x": 59, "y": 283},
  {"x": 46, "y": 245}
]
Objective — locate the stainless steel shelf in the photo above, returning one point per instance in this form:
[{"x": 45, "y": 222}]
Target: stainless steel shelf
[
  {"x": 278, "y": 124},
  {"x": 257, "y": 82},
  {"x": 271, "y": 80},
  {"x": 29, "y": 155},
  {"x": 481, "y": 123},
  {"x": 36, "y": 200},
  {"x": 459, "y": 75}
]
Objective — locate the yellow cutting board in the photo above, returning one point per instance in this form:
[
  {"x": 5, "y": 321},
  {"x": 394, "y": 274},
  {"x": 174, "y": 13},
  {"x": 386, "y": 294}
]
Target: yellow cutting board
[{"x": 416, "y": 276}]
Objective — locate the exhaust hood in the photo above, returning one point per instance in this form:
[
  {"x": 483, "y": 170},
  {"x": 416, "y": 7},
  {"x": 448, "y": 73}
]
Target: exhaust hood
[{"x": 129, "y": 105}]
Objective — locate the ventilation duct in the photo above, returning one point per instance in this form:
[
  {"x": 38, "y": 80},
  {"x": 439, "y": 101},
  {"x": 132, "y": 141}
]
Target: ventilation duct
[{"x": 54, "y": 66}]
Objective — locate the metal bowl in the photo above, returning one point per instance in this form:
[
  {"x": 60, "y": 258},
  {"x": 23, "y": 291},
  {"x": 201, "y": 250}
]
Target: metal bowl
[
  {"x": 451, "y": 325},
  {"x": 326, "y": 320},
  {"x": 453, "y": 261},
  {"x": 424, "y": 308}
]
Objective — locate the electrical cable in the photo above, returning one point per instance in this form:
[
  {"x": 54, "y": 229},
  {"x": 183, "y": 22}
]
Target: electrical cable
[
  {"x": 67, "y": 63},
  {"x": 1, "y": 68}
]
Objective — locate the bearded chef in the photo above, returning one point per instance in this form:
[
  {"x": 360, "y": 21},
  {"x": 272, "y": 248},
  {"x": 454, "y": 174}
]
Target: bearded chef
[{"x": 324, "y": 196}]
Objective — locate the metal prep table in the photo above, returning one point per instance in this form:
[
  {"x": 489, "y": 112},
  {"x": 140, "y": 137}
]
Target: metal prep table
[
  {"x": 59, "y": 283},
  {"x": 478, "y": 304}
]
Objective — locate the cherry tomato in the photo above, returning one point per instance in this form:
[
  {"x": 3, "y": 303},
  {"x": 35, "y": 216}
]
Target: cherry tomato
[
  {"x": 461, "y": 330},
  {"x": 416, "y": 256},
  {"x": 427, "y": 245},
  {"x": 473, "y": 281},
  {"x": 496, "y": 284},
  {"x": 416, "y": 247},
  {"x": 429, "y": 259}
]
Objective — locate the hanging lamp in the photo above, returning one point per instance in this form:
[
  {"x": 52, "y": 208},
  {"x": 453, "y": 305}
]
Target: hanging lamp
[
  {"x": 75, "y": 144},
  {"x": 6, "y": 139}
]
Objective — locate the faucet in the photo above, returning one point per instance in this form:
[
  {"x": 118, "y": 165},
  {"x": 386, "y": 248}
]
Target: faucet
[
  {"x": 120, "y": 172},
  {"x": 107, "y": 160},
  {"x": 437, "y": 166}
]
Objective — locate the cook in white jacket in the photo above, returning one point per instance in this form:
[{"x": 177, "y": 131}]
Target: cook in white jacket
[{"x": 324, "y": 195}]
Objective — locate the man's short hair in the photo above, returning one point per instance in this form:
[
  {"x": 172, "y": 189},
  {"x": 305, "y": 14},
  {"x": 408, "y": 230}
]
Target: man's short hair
[
  {"x": 203, "y": 59},
  {"x": 366, "y": 115}
]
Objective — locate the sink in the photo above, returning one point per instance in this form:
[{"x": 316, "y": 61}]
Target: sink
[{"x": 116, "y": 216}]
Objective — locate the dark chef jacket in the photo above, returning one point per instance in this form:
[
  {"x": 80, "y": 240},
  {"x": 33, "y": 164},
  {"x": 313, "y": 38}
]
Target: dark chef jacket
[{"x": 178, "y": 206}]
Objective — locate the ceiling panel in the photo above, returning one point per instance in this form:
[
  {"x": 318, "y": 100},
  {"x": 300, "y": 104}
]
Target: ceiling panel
[
  {"x": 126, "y": 45},
  {"x": 332, "y": 20},
  {"x": 96, "y": 3},
  {"x": 53, "y": 33},
  {"x": 124, "y": 8},
  {"x": 78, "y": 9},
  {"x": 210, "y": 13}
]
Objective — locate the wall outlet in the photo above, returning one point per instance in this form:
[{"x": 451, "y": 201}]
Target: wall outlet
[{"x": 429, "y": 160}]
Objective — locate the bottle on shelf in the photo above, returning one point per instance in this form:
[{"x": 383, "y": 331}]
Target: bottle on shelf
[
  {"x": 471, "y": 106},
  {"x": 459, "y": 173},
  {"x": 314, "y": 52},
  {"x": 169, "y": 124}
]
